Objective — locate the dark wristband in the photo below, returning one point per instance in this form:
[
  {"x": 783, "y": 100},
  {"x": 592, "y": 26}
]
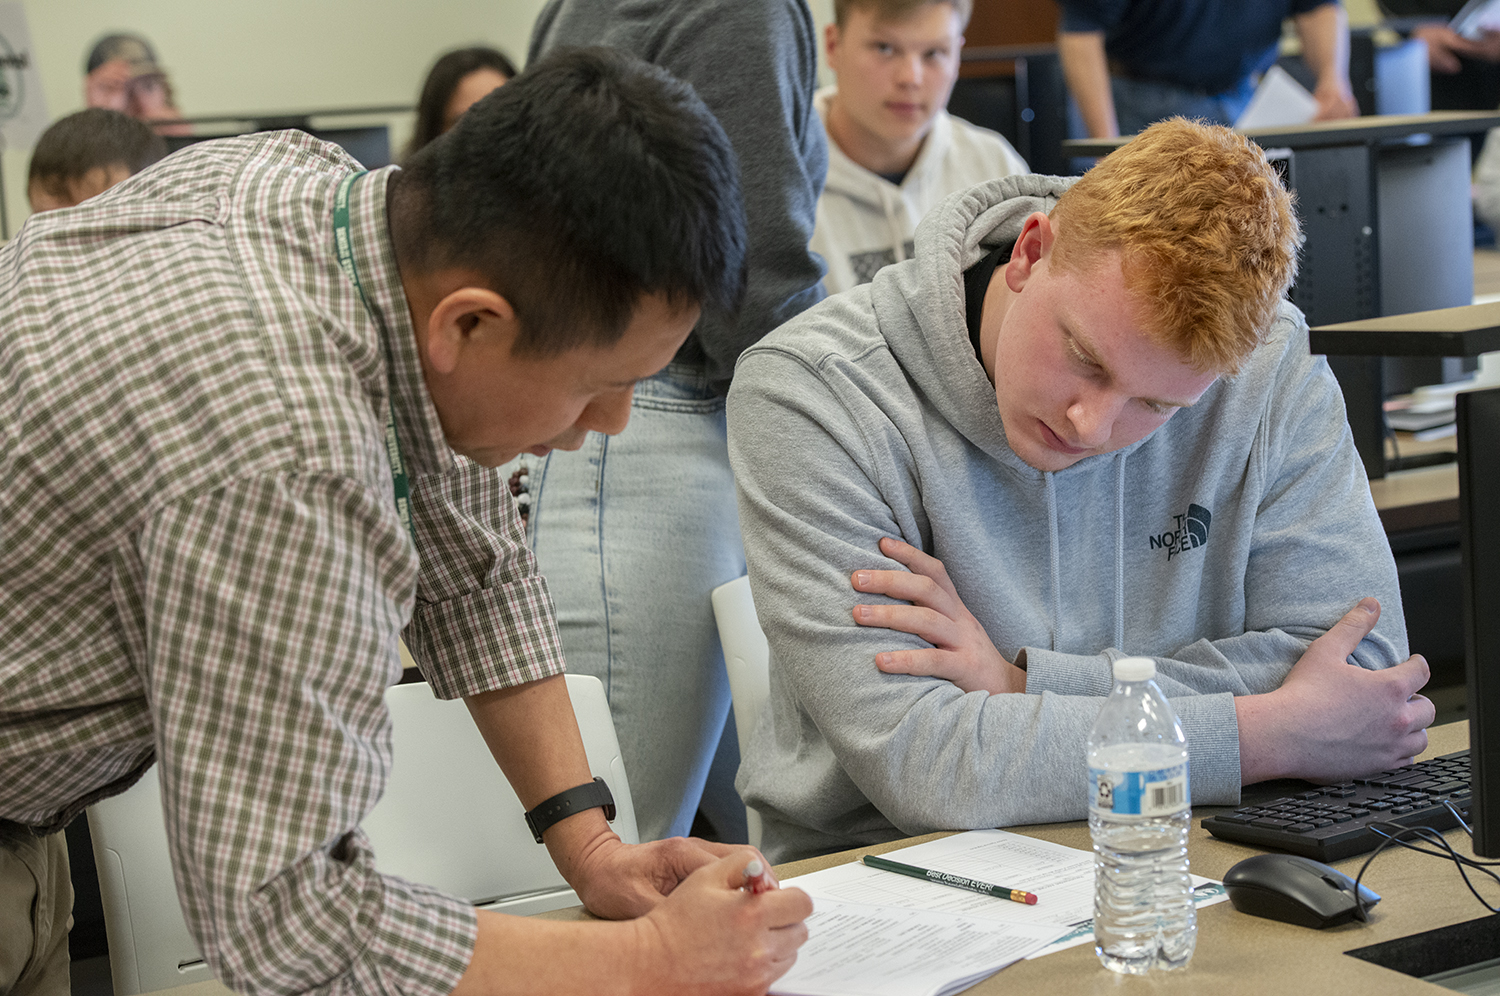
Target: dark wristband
[{"x": 565, "y": 804}]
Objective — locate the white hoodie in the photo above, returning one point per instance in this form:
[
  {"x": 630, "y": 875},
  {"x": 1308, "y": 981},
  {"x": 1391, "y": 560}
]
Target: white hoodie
[{"x": 865, "y": 221}]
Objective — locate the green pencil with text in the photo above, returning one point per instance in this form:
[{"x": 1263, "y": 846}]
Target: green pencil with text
[{"x": 956, "y": 881}]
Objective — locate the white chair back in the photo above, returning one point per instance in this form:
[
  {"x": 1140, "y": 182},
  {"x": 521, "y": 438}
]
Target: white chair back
[
  {"x": 747, "y": 658},
  {"x": 448, "y": 818}
]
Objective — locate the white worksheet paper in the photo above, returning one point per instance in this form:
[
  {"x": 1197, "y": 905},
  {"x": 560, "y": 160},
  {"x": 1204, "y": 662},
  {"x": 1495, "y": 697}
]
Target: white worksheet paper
[
  {"x": 1062, "y": 878},
  {"x": 857, "y": 950}
]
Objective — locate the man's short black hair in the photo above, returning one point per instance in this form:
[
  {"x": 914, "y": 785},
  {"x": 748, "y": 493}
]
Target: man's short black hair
[
  {"x": 590, "y": 180},
  {"x": 88, "y": 140}
]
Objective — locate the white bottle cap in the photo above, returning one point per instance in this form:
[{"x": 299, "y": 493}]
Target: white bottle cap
[{"x": 1135, "y": 669}]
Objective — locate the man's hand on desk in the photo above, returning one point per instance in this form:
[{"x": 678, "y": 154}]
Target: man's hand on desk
[
  {"x": 1331, "y": 720},
  {"x": 619, "y": 881},
  {"x": 713, "y": 937},
  {"x": 961, "y": 652}
]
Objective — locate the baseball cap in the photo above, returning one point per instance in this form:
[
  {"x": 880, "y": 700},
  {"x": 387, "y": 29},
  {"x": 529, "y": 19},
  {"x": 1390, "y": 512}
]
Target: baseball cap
[{"x": 132, "y": 48}]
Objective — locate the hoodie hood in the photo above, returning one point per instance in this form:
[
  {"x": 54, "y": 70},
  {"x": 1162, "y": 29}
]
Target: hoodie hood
[
  {"x": 957, "y": 234},
  {"x": 865, "y": 221}
]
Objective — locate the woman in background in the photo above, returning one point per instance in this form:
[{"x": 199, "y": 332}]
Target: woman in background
[{"x": 454, "y": 83}]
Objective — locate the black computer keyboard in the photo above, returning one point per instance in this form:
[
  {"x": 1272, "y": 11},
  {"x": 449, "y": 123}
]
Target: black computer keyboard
[{"x": 1333, "y": 821}]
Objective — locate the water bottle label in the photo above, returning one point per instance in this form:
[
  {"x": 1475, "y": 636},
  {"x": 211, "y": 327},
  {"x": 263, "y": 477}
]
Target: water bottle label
[{"x": 1139, "y": 793}]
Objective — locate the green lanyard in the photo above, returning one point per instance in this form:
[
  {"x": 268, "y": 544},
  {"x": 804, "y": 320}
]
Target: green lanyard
[{"x": 345, "y": 248}]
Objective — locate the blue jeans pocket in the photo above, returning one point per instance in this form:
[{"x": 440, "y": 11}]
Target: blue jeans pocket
[{"x": 679, "y": 388}]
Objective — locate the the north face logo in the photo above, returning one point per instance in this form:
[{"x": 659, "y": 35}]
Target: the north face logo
[{"x": 1189, "y": 532}]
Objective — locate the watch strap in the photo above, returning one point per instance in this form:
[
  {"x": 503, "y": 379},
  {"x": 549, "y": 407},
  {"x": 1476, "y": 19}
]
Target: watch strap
[{"x": 565, "y": 804}]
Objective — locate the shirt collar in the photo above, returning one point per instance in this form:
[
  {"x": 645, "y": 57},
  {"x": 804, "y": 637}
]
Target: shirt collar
[{"x": 423, "y": 446}]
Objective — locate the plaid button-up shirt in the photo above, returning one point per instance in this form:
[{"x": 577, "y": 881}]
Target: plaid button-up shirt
[{"x": 201, "y": 561}]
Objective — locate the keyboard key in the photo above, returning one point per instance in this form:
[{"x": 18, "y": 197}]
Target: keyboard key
[
  {"x": 1322, "y": 823},
  {"x": 1271, "y": 824},
  {"x": 1402, "y": 810},
  {"x": 1379, "y": 804},
  {"x": 1299, "y": 827},
  {"x": 1239, "y": 818}
]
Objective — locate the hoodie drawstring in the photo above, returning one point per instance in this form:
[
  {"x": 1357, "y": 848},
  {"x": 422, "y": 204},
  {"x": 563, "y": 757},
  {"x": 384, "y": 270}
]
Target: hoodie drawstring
[
  {"x": 1056, "y": 561},
  {"x": 898, "y": 235},
  {"x": 1120, "y": 551}
]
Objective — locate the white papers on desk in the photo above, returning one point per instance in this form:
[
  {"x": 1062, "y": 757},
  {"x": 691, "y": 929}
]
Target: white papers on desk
[
  {"x": 1062, "y": 878},
  {"x": 890, "y": 964},
  {"x": 1278, "y": 101},
  {"x": 855, "y": 950}
]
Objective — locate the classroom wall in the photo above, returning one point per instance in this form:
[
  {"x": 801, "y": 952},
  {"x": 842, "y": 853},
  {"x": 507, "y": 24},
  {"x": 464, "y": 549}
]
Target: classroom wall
[{"x": 230, "y": 56}]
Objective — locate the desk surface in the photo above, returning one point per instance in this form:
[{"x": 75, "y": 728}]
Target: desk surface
[
  {"x": 1421, "y": 497},
  {"x": 1240, "y": 954},
  {"x": 1237, "y": 954}
]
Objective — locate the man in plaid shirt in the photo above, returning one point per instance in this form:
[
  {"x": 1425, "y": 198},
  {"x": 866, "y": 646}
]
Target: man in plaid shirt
[{"x": 207, "y": 558}]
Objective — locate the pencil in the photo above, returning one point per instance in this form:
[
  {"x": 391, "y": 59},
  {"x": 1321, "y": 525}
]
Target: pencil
[{"x": 956, "y": 881}]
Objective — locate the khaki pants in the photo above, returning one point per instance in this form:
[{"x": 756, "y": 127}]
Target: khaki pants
[{"x": 36, "y": 910}]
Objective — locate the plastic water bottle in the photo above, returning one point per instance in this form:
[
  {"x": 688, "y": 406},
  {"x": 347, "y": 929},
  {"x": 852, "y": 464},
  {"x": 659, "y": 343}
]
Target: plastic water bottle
[{"x": 1139, "y": 815}]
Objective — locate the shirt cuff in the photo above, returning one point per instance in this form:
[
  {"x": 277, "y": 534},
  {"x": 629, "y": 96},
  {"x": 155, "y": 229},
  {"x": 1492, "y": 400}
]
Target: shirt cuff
[
  {"x": 1213, "y": 741},
  {"x": 489, "y": 639},
  {"x": 425, "y": 943},
  {"x": 1068, "y": 674}
]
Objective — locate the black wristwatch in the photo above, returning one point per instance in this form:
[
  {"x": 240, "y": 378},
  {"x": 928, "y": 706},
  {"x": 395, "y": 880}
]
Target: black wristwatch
[{"x": 565, "y": 804}]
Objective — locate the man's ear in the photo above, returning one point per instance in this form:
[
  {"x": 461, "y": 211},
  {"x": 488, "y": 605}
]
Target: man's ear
[
  {"x": 468, "y": 318},
  {"x": 1032, "y": 246}
]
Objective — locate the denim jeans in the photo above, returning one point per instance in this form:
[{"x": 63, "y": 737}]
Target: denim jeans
[
  {"x": 632, "y": 533},
  {"x": 1140, "y": 103}
]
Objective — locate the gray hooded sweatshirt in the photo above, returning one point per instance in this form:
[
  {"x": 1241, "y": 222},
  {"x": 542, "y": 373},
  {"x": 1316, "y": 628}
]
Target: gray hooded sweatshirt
[{"x": 1221, "y": 545}]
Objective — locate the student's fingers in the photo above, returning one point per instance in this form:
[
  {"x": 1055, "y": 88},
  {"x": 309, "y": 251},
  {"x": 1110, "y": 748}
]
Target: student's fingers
[
  {"x": 914, "y": 559},
  {"x": 923, "y": 664},
  {"x": 934, "y": 627},
  {"x": 1423, "y": 712},
  {"x": 916, "y": 588},
  {"x": 1412, "y": 673},
  {"x": 1344, "y": 636}
]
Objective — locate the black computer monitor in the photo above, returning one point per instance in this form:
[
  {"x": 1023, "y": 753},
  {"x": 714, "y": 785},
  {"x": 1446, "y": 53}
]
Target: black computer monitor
[
  {"x": 1479, "y": 533},
  {"x": 371, "y": 146}
]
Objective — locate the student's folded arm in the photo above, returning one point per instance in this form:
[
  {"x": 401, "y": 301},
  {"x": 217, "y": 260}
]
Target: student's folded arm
[
  {"x": 1317, "y": 548},
  {"x": 927, "y": 755}
]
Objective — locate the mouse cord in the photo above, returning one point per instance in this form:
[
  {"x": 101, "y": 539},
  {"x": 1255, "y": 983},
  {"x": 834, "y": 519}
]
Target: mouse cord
[{"x": 1393, "y": 832}]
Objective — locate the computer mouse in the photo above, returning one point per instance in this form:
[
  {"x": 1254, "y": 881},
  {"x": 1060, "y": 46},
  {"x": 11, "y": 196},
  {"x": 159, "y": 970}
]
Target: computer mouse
[{"x": 1294, "y": 889}]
